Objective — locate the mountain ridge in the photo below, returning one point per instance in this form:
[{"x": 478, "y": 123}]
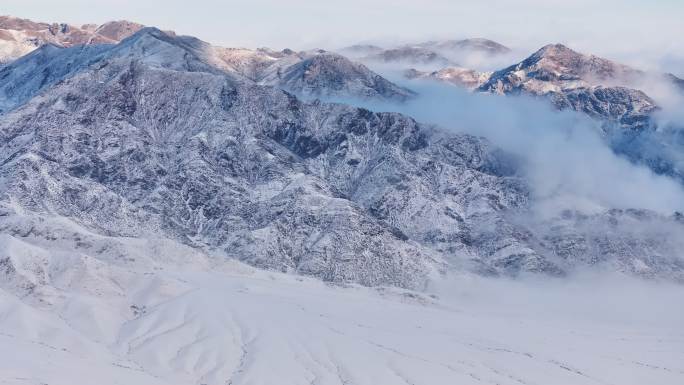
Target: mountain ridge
[{"x": 160, "y": 141}]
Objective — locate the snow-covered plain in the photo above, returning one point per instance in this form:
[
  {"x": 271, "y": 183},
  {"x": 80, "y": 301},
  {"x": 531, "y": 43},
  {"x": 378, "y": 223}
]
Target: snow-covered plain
[{"x": 216, "y": 321}]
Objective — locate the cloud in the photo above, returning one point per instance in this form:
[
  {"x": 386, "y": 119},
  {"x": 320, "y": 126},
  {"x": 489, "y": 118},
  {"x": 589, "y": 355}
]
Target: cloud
[
  {"x": 583, "y": 299},
  {"x": 567, "y": 163}
]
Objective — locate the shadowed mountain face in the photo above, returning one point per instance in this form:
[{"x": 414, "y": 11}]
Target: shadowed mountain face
[{"x": 161, "y": 135}]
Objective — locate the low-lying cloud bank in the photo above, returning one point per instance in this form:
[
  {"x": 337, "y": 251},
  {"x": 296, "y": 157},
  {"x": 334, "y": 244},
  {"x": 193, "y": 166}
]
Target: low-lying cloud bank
[
  {"x": 566, "y": 161},
  {"x": 589, "y": 298}
]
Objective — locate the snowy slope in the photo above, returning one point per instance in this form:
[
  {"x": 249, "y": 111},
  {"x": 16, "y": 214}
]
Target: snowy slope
[{"x": 153, "y": 319}]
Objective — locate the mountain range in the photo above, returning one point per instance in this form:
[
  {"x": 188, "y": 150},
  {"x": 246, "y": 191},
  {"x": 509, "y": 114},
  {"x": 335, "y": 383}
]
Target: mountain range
[
  {"x": 175, "y": 212},
  {"x": 21, "y": 36},
  {"x": 221, "y": 160},
  {"x": 609, "y": 92},
  {"x": 430, "y": 54}
]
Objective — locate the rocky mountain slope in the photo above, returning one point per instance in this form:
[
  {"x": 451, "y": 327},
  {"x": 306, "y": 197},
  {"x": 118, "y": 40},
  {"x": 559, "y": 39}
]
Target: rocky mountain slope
[
  {"x": 315, "y": 73},
  {"x": 585, "y": 83},
  {"x": 604, "y": 90},
  {"x": 309, "y": 74},
  {"x": 151, "y": 138},
  {"x": 18, "y": 37},
  {"x": 331, "y": 75},
  {"x": 219, "y": 162},
  {"x": 598, "y": 87}
]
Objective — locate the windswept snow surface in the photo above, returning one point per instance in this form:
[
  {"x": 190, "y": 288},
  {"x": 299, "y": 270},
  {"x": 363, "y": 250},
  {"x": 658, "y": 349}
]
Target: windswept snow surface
[{"x": 220, "y": 322}]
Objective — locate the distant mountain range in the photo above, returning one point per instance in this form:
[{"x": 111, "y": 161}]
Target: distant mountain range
[
  {"x": 20, "y": 36},
  {"x": 602, "y": 89},
  {"x": 435, "y": 53}
]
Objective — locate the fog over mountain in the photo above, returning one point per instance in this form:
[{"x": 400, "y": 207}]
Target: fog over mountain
[{"x": 406, "y": 210}]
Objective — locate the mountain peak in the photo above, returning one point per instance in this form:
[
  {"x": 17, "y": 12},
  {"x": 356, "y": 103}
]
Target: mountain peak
[
  {"x": 326, "y": 74},
  {"x": 476, "y": 44},
  {"x": 557, "y": 52},
  {"x": 147, "y": 31},
  {"x": 557, "y": 61},
  {"x": 556, "y": 48},
  {"x": 118, "y": 30}
]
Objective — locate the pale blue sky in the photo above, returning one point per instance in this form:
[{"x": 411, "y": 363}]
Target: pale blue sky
[{"x": 643, "y": 32}]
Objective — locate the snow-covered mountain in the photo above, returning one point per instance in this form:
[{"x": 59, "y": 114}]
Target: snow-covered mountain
[
  {"x": 458, "y": 76},
  {"x": 613, "y": 94},
  {"x": 172, "y": 212},
  {"x": 18, "y": 37},
  {"x": 409, "y": 55},
  {"x": 599, "y": 87},
  {"x": 309, "y": 74},
  {"x": 148, "y": 137},
  {"x": 586, "y": 83},
  {"x": 472, "y": 45},
  {"x": 431, "y": 54},
  {"x": 607, "y": 91},
  {"x": 231, "y": 165},
  {"x": 565, "y": 68},
  {"x": 315, "y": 73},
  {"x": 331, "y": 75},
  {"x": 361, "y": 50}
]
